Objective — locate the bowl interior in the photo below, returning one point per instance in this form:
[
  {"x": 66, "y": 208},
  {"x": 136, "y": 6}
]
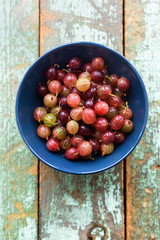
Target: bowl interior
[{"x": 28, "y": 100}]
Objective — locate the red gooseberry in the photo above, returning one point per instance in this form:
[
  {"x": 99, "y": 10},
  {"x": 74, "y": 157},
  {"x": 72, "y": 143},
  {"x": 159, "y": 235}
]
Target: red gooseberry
[
  {"x": 98, "y": 63},
  {"x": 119, "y": 137},
  {"x": 114, "y": 100},
  {"x": 73, "y": 100},
  {"x": 75, "y": 140},
  {"x": 71, "y": 154},
  {"x": 95, "y": 145},
  {"x": 43, "y": 131},
  {"x": 53, "y": 145},
  {"x": 101, "y": 124},
  {"x": 101, "y": 108},
  {"x": 123, "y": 84},
  {"x": 55, "y": 87},
  {"x": 88, "y": 116},
  {"x": 126, "y": 113},
  {"x": 117, "y": 122},
  {"x": 108, "y": 137},
  {"x": 70, "y": 79},
  {"x": 84, "y": 148}
]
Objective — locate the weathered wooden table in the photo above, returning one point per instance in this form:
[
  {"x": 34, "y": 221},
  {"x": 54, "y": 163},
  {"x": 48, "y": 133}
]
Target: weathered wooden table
[{"x": 37, "y": 202}]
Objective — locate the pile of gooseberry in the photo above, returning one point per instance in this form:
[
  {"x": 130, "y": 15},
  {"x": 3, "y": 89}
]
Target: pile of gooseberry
[{"x": 84, "y": 111}]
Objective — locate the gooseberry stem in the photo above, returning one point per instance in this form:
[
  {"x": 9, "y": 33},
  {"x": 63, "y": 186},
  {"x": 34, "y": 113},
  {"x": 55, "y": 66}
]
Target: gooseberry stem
[
  {"x": 108, "y": 77},
  {"x": 65, "y": 70},
  {"x": 113, "y": 95},
  {"x": 56, "y": 65}
]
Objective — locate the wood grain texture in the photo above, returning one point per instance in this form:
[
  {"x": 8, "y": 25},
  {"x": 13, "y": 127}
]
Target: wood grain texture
[
  {"x": 143, "y": 166},
  {"x": 69, "y": 204},
  {"x": 18, "y": 167}
]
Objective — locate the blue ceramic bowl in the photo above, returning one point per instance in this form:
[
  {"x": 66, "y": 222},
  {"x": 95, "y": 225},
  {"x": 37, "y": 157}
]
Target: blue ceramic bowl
[{"x": 27, "y": 100}]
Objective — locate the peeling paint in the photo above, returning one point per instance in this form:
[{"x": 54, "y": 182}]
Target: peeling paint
[
  {"x": 18, "y": 194},
  {"x": 143, "y": 50},
  {"x": 76, "y": 23},
  {"x": 33, "y": 169},
  {"x": 149, "y": 191},
  {"x": 67, "y": 214}
]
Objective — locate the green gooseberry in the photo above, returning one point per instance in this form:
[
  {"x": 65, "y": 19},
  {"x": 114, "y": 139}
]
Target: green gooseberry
[
  {"x": 50, "y": 120},
  {"x": 59, "y": 132}
]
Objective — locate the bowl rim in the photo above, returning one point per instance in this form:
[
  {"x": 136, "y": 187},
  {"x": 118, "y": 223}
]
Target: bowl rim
[{"x": 146, "y": 106}]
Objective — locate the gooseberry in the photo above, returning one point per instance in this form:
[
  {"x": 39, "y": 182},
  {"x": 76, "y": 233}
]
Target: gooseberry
[
  {"x": 50, "y": 120},
  {"x": 63, "y": 102},
  {"x": 55, "y": 110},
  {"x": 89, "y": 103},
  {"x": 119, "y": 137},
  {"x": 43, "y": 131},
  {"x": 63, "y": 116},
  {"x": 39, "y": 114},
  {"x": 55, "y": 87},
  {"x": 97, "y": 76},
  {"x": 101, "y": 124},
  {"x": 60, "y": 75},
  {"x": 126, "y": 112},
  {"x": 85, "y": 75},
  {"x": 50, "y": 100},
  {"x": 72, "y": 127},
  {"x": 53, "y": 145},
  {"x": 65, "y": 91},
  {"x": 75, "y": 140},
  {"x": 101, "y": 108},
  {"x": 107, "y": 148},
  {"x": 51, "y": 73},
  {"x": 75, "y": 63},
  {"x": 73, "y": 100},
  {"x": 117, "y": 122},
  {"x": 72, "y": 154},
  {"x": 84, "y": 148},
  {"x": 88, "y": 116},
  {"x": 123, "y": 84},
  {"x": 97, "y": 134},
  {"x": 103, "y": 91},
  {"x": 42, "y": 90},
  {"x": 88, "y": 67},
  {"x": 95, "y": 145},
  {"x": 83, "y": 84},
  {"x": 127, "y": 126},
  {"x": 59, "y": 132},
  {"x": 65, "y": 143},
  {"x": 70, "y": 79},
  {"x": 112, "y": 79},
  {"x": 85, "y": 130},
  {"x": 98, "y": 63},
  {"x": 111, "y": 113},
  {"x": 76, "y": 113},
  {"x": 114, "y": 100},
  {"x": 108, "y": 137}
]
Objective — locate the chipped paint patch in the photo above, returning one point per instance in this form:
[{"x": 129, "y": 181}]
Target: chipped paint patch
[
  {"x": 149, "y": 191},
  {"x": 28, "y": 232},
  {"x": 134, "y": 12},
  {"x": 33, "y": 169}
]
